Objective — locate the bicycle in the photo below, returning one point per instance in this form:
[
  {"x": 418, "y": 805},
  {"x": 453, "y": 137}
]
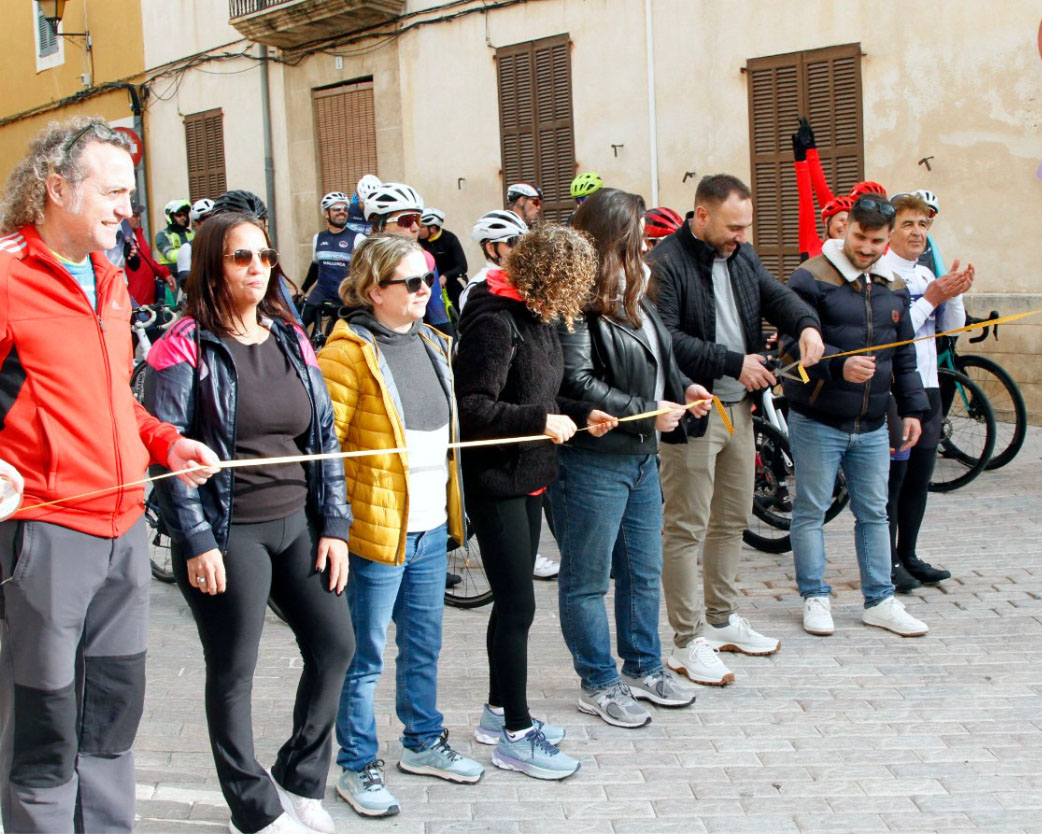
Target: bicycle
[
  {"x": 1006, "y": 400},
  {"x": 325, "y": 318},
  {"x": 473, "y": 590},
  {"x": 967, "y": 433}
]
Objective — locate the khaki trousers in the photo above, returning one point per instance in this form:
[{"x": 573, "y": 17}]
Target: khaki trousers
[{"x": 707, "y": 484}]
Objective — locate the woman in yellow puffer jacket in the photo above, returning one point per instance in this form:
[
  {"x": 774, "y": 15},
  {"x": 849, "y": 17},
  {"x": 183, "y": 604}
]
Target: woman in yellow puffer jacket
[{"x": 391, "y": 385}]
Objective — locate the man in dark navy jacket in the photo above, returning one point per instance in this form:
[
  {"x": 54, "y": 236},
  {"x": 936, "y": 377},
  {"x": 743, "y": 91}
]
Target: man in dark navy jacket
[{"x": 838, "y": 418}]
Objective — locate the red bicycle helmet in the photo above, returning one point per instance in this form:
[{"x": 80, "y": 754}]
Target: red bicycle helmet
[
  {"x": 867, "y": 187},
  {"x": 662, "y": 221},
  {"x": 835, "y": 206}
]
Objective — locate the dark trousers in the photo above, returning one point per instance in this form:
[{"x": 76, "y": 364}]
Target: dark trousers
[
  {"x": 508, "y": 533},
  {"x": 909, "y": 483},
  {"x": 276, "y": 557},
  {"x": 74, "y": 611}
]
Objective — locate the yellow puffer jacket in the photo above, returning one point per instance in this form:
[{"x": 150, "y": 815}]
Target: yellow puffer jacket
[{"x": 367, "y": 415}]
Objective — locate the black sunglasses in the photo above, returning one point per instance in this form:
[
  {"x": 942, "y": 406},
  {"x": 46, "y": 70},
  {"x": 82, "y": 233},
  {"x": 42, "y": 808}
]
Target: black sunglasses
[
  {"x": 882, "y": 206},
  {"x": 244, "y": 257},
  {"x": 412, "y": 284},
  {"x": 103, "y": 132}
]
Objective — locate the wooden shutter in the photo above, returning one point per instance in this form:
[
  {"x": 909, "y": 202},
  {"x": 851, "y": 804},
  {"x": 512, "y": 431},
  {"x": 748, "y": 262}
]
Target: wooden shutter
[
  {"x": 345, "y": 135},
  {"x": 204, "y": 141},
  {"x": 536, "y": 128},
  {"x": 824, "y": 85},
  {"x": 45, "y": 34}
]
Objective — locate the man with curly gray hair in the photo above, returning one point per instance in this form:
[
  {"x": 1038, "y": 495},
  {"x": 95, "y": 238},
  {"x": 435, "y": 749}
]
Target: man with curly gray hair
[{"x": 74, "y": 570}]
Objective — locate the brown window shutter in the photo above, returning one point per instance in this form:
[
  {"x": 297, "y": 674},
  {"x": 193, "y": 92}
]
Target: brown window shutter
[
  {"x": 824, "y": 85},
  {"x": 204, "y": 142},
  {"x": 345, "y": 134},
  {"x": 535, "y": 120}
]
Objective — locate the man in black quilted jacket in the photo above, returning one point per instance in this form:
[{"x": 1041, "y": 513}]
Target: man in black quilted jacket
[{"x": 712, "y": 293}]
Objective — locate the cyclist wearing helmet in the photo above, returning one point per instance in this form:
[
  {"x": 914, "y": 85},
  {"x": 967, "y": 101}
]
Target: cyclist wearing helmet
[
  {"x": 526, "y": 201},
  {"x": 176, "y": 233},
  {"x": 584, "y": 185},
  {"x": 331, "y": 251},
  {"x": 931, "y": 257},
  {"x": 496, "y": 232},
  {"x": 356, "y": 211},
  {"x": 396, "y": 208},
  {"x": 447, "y": 252},
  {"x": 201, "y": 209},
  {"x": 659, "y": 222}
]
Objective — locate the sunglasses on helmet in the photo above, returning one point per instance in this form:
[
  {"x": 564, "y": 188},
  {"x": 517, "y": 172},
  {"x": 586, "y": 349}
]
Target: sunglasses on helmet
[{"x": 413, "y": 284}]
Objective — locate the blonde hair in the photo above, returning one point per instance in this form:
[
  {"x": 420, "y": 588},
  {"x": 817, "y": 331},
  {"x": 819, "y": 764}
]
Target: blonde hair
[
  {"x": 57, "y": 149},
  {"x": 554, "y": 269},
  {"x": 375, "y": 260}
]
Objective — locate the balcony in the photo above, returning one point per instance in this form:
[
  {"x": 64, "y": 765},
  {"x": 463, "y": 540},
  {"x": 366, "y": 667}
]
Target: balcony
[{"x": 291, "y": 24}]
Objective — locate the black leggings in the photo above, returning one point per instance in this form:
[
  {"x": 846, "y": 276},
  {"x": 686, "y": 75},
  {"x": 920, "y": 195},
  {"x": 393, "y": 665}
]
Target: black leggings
[
  {"x": 275, "y": 557},
  {"x": 909, "y": 484},
  {"x": 508, "y": 532}
]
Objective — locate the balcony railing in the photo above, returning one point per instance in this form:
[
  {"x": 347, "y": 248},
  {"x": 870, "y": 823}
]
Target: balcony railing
[{"x": 291, "y": 24}]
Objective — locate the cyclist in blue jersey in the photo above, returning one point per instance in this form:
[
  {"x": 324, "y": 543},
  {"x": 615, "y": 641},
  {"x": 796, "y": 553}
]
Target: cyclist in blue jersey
[{"x": 331, "y": 252}]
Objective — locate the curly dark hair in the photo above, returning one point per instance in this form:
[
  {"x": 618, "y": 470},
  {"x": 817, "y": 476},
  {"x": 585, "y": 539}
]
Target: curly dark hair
[{"x": 553, "y": 268}]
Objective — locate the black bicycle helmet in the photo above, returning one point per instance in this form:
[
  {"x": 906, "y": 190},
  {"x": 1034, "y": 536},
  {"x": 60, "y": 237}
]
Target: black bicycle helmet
[{"x": 243, "y": 201}]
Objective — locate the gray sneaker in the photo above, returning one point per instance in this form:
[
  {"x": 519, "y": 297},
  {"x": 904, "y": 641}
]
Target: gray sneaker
[
  {"x": 615, "y": 705},
  {"x": 364, "y": 791},
  {"x": 662, "y": 688},
  {"x": 442, "y": 761}
]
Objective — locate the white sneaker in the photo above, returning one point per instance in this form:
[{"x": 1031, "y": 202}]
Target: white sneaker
[
  {"x": 699, "y": 663},
  {"x": 545, "y": 568},
  {"x": 891, "y": 615},
  {"x": 304, "y": 810},
  {"x": 739, "y": 636},
  {"x": 817, "y": 616},
  {"x": 284, "y": 824}
]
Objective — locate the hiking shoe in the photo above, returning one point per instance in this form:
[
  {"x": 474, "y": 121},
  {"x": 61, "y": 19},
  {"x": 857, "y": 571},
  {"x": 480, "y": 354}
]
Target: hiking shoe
[
  {"x": 891, "y": 615},
  {"x": 364, "y": 791},
  {"x": 304, "y": 810},
  {"x": 925, "y": 572},
  {"x": 699, "y": 663},
  {"x": 442, "y": 761},
  {"x": 817, "y": 616},
  {"x": 662, "y": 688},
  {"x": 545, "y": 568},
  {"x": 902, "y": 580},
  {"x": 492, "y": 725},
  {"x": 739, "y": 636},
  {"x": 533, "y": 755},
  {"x": 615, "y": 705}
]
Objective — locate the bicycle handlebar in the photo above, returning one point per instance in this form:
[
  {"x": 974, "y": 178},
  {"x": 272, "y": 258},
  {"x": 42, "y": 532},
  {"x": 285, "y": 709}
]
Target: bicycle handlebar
[{"x": 994, "y": 314}]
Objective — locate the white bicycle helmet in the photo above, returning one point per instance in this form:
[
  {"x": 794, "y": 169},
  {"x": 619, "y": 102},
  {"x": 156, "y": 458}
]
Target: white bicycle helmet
[
  {"x": 930, "y": 199},
  {"x": 433, "y": 217},
  {"x": 175, "y": 206},
  {"x": 201, "y": 208},
  {"x": 498, "y": 225},
  {"x": 332, "y": 198},
  {"x": 522, "y": 189},
  {"x": 390, "y": 197},
  {"x": 366, "y": 187}
]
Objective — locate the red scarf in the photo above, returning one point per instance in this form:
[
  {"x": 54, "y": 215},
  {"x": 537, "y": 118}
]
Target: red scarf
[{"x": 499, "y": 284}]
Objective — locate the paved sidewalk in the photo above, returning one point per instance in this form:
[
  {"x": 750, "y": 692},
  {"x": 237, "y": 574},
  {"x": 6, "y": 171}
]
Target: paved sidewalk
[{"x": 860, "y": 732}]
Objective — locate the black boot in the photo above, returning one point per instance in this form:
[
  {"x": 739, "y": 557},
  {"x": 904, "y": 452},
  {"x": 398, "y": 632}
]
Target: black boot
[
  {"x": 925, "y": 572},
  {"x": 902, "y": 579}
]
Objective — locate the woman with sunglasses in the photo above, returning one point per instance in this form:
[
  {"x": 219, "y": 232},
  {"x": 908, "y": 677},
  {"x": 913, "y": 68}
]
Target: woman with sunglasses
[
  {"x": 508, "y": 372},
  {"x": 607, "y": 503},
  {"x": 389, "y": 378},
  {"x": 238, "y": 375}
]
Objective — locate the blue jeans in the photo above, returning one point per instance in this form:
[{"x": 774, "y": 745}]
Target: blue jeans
[
  {"x": 413, "y": 595},
  {"x": 607, "y": 512},
  {"x": 818, "y": 451}
]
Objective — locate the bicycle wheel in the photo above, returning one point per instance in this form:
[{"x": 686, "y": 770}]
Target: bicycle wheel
[
  {"x": 137, "y": 382},
  {"x": 774, "y": 487},
  {"x": 1007, "y": 403},
  {"x": 473, "y": 589},
  {"x": 159, "y": 553},
  {"x": 967, "y": 433}
]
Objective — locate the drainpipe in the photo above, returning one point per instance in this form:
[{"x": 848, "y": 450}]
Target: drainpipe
[
  {"x": 649, "y": 39},
  {"x": 269, "y": 164}
]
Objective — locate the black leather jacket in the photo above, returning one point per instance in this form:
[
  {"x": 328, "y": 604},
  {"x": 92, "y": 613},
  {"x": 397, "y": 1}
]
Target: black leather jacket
[
  {"x": 191, "y": 383},
  {"x": 610, "y": 364}
]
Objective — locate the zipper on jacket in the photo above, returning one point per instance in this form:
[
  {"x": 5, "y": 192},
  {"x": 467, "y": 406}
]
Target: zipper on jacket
[{"x": 868, "y": 330}]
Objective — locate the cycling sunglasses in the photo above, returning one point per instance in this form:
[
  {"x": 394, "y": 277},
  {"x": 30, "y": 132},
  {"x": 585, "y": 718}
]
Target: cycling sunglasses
[
  {"x": 510, "y": 241},
  {"x": 406, "y": 221},
  {"x": 244, "y": 257},
  {"x": 882, "y": 206},
  {"x": 412, "y": 284}
]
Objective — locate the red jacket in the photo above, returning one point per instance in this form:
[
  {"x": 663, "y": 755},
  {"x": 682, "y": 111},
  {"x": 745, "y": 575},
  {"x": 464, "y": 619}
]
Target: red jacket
[
  {"x": 141, "y": 282},
  {"x": 68, "y": 420}
]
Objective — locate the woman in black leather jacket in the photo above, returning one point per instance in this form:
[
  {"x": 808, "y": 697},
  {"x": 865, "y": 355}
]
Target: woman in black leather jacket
[
  {"x": 607, "y": 504},
  {"x": 236, "y": 372}
]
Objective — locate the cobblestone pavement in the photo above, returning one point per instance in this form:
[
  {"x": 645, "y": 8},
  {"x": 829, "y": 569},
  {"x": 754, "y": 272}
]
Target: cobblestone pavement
[{"x": 860, "y": 732}]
